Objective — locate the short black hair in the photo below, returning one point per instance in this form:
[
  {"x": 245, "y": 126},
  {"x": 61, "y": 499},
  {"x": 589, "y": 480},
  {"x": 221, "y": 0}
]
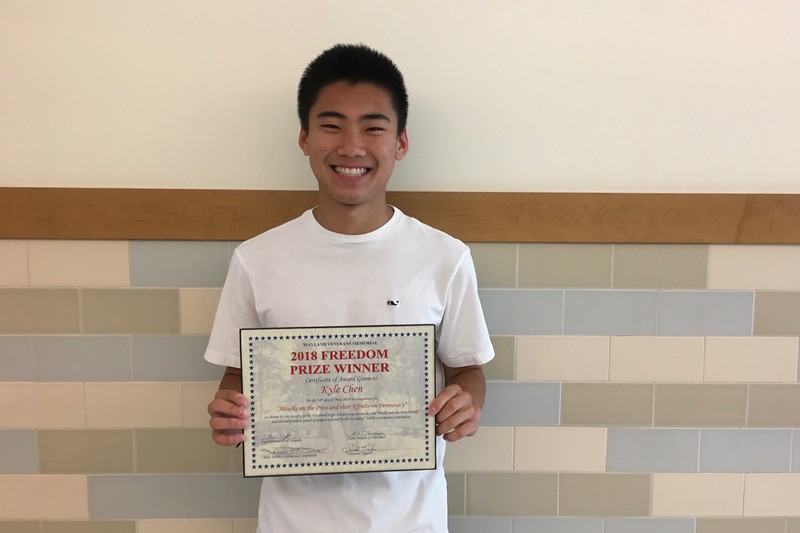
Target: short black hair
[{"x": 354, "y": 63}]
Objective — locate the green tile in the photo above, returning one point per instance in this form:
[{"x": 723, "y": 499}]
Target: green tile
[
  {"x": 565, "y": 266},
  {"x": 511, "y": 494},
  {"x": 86, "y": 451},
  {"x": 49, "y": 311},
  {"x": 777, "y": 313},
  {"x": 495, "y": 264},
  {"x": 660, "y": 266},
  {"x": 502, "y": 366}
]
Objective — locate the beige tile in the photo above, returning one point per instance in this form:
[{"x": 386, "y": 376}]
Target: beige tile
[
  {"x": 198, "y": 307},
  {"x": 565, "y": 265},
  {"x": 41, "y": 405},
  {"x": 700, "y": 405},
  {"x": 86, "y": 452},
  {"x": 751, "y": 359},
  {"x": 164, "y": 451},
  {"x": 133, "y": 405},
  {"x": 130, "y": 311},
  {"x": 777, "y": 313},
  {"x": 196, "y": 397},
  {"x": 774, "y": 406},
  {"x": 217, "y": 525},
  {"x": 606, "y": 404},
  {"x": 740, "y": 525},
  {"x": 502, "y": 366},
  {"x": 70, "y": 263},
  {"x": 754, "y": 267},
  {"x": 697, "y": 494},
  {"x": 456, "y": 493},
  {"x": 94, "y": 526},
  {"x": 18, "y": 526},
  {"x": 562, "y": 358},
  {"x": 772, "y": 495},
  {"x": 495, "y": 264},
  {"x": 43, "y": 497},
  {"x": 656, "y": 359},
  {"x": 512, "y": 494},
  {"x": 560, "y": 449},
  {"x": 604, "y": 495},
  {"x": 489, "y": 450},
  {"x": 44, "y": 311},
  {"x": 244, "y": 525},
  {"x": 13, "y": 263},
  {"x": 660, "y": 266}
]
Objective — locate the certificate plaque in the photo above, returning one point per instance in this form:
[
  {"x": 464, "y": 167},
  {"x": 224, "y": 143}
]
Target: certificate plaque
[{"x": 339, "y": 399}]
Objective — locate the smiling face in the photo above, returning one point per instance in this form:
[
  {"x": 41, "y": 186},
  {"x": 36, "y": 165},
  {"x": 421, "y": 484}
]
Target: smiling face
[{"x": 352, "y": 145}]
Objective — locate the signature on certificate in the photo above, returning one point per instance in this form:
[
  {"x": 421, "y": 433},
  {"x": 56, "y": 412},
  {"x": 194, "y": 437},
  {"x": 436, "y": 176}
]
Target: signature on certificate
[
  {"x": 279, "y": 436},
  {"x": 291, "y": 451},
  {"x": 359, "y": 449},
  {"x": 366, "y": 435}
]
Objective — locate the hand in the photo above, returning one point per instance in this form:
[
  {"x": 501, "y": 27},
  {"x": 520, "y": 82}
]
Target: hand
[
  {"x": 456, "y": 415},
  {"x": 228, "y": 412}
]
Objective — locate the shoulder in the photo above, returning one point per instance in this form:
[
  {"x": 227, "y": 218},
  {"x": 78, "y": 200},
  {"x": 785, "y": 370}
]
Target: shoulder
[
  {"x": 421, "y": 235},
  {"x": 274, "y": 239}
]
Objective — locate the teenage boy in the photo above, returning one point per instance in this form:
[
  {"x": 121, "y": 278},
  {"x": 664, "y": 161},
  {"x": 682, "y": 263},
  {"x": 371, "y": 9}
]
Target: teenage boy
[{"x": 355, "y": 260}]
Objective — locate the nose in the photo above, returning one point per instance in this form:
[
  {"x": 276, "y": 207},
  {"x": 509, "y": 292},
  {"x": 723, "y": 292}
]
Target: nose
[{"x": 352, "y": 145}]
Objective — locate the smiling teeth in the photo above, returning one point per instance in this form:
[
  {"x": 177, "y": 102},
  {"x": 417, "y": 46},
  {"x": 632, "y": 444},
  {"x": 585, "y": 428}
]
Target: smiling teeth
[{"x": 351, "y": 171}]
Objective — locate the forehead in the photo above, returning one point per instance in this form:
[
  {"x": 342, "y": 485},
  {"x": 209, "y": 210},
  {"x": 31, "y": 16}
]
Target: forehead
[{"x": 353, "y": 99}]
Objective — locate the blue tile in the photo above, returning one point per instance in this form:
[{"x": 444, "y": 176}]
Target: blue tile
[
  {"x": 521, "y": 404},
  {"x": 652, "y": 450},
  {"x": 745, "y": 450},
  {"x": 82, "y": 358},
  {"x": 557, "y": 525},
  {"x": 19, "y": 452},
  {"x": 523, "y": 312},
  {"x": 179, "y": 263},
  {"x": 172, "y": 358},
  {"x": 650, "y": 525},
  {"x": 17, "y": 362},
  {"x": 172, "y": 496},
  {"x": 610, "y": 312},
  {"x": 705, "y": 313},
  {"x": 478, "y": 524}
]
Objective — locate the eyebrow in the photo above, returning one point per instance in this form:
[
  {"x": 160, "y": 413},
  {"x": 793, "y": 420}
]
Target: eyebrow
[{"x": 362, "y": 118}]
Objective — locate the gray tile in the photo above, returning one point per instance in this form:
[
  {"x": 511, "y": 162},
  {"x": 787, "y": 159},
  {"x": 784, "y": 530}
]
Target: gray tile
[
  {"x": 172, "y": 358},
  {"x": 521, "y": 404},
  {"x": 650, "y": 525},
  {"x": 705, "y": 313},
  {"x": 221, "y": 496},
  {"x": 172, "y": 496},
  {"x": 557, "y": 525},
  {"x": 523, "y": 312},
  {"x": 478, "y": 524},
  {"x": 610, "y": 312},
  {"x": 19, "y": 452},
  {"x": 745, "y": 450},
  {"x": 82, "y": 358},
  {"x": 16, "y": 358},
  {"x": 652, "y": 450},
  {"x": 179, "y": 263},
  {"x": 796, "y": 450}
]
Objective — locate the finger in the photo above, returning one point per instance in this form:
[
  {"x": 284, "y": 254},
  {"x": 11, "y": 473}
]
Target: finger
[
  {"x": 227, "y": 439},
  {"x": 468, "y": 429},
  {"x": 232, "y": 396},
  {"x": 223, "y": 407},
  {"x": 446, "y": 394},
  {"x": 455, "y": 420},
  {"x": 226, "y": 423}
]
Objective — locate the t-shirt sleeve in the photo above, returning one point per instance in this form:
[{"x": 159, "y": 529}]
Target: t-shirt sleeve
[
  {"x": 464, "y": 338},
  {"x": 236, "y": 310}
]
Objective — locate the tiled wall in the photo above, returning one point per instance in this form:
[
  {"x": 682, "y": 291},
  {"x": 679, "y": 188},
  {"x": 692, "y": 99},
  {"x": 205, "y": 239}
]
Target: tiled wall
[{"x": 637, "y": 388}]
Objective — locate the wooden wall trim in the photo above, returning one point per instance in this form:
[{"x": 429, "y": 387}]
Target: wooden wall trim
[{"x": 183, "y": 214}]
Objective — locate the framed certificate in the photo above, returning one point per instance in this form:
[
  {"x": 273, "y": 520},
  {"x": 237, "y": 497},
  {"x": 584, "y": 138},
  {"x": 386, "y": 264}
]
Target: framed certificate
[{"x": 340, "y": 399}]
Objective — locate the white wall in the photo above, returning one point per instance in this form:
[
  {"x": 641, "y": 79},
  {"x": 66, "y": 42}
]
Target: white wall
[{"x": 547, "y": 95}]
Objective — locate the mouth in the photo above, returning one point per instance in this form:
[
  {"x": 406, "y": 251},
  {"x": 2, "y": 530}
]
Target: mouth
[{"x": 351, "y": 172}]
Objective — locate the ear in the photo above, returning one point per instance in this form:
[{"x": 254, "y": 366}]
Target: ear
[
  {"x": 302, "y": 141},
  {"x": 402, "y": 145}
]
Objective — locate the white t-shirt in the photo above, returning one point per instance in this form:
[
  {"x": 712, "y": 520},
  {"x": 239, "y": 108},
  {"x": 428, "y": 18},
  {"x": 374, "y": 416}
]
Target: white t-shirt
[{"x": 300, "y": 274}]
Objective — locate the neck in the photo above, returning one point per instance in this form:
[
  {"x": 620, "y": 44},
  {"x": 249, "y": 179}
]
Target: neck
[{"x": 352, "y": 220}]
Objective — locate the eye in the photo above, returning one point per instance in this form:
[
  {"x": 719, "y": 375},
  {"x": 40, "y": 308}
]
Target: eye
[{"x": 330, "y": 127}]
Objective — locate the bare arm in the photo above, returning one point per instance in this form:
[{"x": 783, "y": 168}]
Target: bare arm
[
  {"x": 458, "y": 406},
  {"x": 228, "y": 409}
]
